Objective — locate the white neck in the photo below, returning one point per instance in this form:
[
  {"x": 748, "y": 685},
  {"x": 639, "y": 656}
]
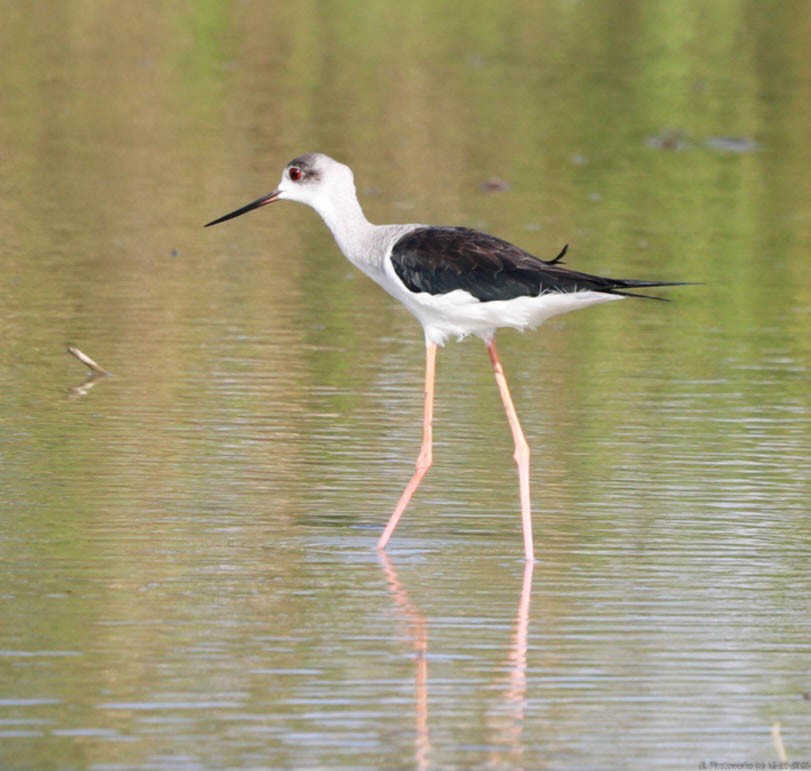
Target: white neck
[{"x": 344, "y": 217}]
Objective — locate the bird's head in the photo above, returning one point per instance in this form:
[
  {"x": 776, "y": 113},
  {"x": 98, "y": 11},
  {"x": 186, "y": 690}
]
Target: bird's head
[{"x": 311, "y": 179}]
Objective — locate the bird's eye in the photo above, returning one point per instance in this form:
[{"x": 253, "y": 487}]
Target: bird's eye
[{"x": 295, "y": 173}]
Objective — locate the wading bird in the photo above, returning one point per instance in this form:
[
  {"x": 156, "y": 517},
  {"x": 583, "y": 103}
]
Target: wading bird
[{"x": 455, "y": 280}]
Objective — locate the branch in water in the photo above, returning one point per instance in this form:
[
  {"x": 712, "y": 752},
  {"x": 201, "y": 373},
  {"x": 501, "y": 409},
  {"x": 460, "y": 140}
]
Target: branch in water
[{"x": 87, "y": 361}]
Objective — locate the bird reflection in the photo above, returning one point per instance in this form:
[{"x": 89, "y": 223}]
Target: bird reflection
[
  {"x": 506, "y": 720},
  {"x": 506, "y": 717},
  {"x": 418, "y": 632}
]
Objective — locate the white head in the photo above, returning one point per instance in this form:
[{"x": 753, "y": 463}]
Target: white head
[{"x": 314, "y": 179}]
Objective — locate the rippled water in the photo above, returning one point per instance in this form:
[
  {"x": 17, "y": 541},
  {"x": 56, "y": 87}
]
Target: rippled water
[{"x": 187, "y": 571}]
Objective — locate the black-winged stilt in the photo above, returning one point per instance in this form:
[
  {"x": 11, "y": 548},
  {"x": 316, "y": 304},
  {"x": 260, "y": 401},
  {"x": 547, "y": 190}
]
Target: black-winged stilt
[{"x": 456, "y": 281}]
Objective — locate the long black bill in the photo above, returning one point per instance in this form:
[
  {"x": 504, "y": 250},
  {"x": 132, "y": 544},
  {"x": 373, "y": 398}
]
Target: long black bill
[{"x": 265, "y": 199}]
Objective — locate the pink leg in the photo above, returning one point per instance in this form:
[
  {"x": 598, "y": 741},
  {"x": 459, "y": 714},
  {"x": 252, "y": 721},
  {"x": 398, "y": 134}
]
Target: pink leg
[
  {"x": 424, "y": 460},
  {"x": 521, "y": 450}
]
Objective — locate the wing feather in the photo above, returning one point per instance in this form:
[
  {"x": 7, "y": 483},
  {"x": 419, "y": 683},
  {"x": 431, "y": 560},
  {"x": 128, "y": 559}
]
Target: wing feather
[{"x": 439, "y": 260}]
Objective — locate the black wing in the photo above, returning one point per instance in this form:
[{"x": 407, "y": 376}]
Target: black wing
[{"x": 439, "y": 260}]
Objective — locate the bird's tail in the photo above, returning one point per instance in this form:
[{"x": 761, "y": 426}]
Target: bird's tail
[{"x": 618, "y": 286}]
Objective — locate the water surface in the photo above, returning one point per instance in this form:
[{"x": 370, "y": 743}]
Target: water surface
[{"x": 187, "y": 571}]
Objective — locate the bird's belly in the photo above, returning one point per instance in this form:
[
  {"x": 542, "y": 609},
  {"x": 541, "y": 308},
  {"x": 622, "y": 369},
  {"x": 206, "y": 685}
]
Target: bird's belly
[{"x": 458, "y": 313}]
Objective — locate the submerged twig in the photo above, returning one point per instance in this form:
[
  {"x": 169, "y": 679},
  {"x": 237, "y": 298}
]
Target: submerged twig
[
  {"x": 87, "y": 361},
  {"x": 777, "y": 740}
]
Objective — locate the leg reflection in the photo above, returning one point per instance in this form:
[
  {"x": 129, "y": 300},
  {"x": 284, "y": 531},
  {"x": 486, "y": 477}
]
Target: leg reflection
[
  {"x": 507, "y": 718},
  {"x": 418, "y": 632}
]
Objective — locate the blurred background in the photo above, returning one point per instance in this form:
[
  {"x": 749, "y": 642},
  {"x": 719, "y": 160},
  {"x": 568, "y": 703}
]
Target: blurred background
[{"x": 186, "y": 547}]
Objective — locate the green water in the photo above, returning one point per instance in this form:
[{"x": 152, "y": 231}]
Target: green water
[{"x": 187, "y": 571}]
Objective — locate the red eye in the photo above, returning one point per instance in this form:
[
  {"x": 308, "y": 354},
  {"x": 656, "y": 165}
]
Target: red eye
[{"x": 295, "y": 173}]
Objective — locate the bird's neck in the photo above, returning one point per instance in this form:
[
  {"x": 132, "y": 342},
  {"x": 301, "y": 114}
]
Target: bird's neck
[{"x": 348, "y": 224}]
